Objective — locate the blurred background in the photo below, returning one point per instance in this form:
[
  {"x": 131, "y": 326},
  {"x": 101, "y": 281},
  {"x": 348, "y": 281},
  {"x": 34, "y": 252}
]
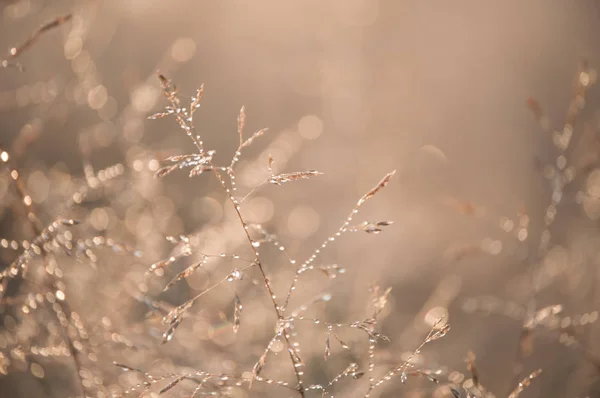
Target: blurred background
[{"x": 353, "y": 89}]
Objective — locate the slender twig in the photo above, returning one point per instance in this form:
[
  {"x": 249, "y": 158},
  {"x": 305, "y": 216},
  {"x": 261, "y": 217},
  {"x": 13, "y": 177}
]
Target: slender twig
[{"x": 186, "y": 122}]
